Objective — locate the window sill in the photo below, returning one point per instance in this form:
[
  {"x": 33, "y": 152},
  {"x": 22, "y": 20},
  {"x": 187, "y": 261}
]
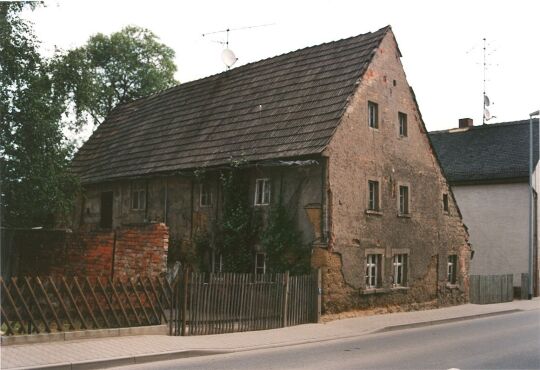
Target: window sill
[
  {"x": 404, "y": 215},
  {"x": 374, "y": 291},
  {"x": 452, "y": 286},
  {"x": 373, "y": 212},
  {"x": 400, "y": 288}
]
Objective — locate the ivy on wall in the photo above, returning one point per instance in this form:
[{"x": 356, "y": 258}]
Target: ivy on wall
[{"x": 242, "y": 226}]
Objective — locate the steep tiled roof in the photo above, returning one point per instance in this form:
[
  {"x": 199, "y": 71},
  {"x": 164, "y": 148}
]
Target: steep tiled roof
[
  {"x": 281, "y": 107},
  {"x": 484, "y": 153}
]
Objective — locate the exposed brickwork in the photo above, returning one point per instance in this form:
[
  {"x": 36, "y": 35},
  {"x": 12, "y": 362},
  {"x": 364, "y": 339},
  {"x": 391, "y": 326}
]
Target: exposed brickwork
[{"x": 135, "y": 250}]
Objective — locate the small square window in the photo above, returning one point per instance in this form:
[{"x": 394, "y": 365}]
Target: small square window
[
  {"x": 138, "y": 196},
  {"x": 373, "y": 271},
  {"x": 403, "y": 200},
  {"x": 205, "y": 195},
  {"x": 452, "y": 268},
  {"x": 373, "y": 202},
  {"x": 445, "y": 202},
  {"x": 399, "y": 265},
  {"x": 262, "y": 192},
  {"x": 373, "y": 114},
  {"x": 402, "y": 118}
]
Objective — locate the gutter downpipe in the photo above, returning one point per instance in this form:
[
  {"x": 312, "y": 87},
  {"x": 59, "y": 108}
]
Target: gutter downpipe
[{"x": 531, "y": 229}]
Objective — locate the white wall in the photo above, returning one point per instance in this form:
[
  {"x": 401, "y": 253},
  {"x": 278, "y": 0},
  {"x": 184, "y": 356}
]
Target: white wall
[{"x": 497, "y": 218}]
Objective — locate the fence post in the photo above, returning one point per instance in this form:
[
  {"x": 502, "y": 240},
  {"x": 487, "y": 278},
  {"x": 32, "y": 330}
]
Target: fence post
[
  {"x": 285, "y": 299},
  {"x": 319, "y": 296},
  {"x": 184, "y": 301}
]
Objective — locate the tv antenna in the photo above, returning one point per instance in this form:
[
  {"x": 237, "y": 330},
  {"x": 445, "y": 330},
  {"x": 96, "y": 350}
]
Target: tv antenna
[
  {"x": 486, "y": 115},
  {"x": 227, "y": 55}
]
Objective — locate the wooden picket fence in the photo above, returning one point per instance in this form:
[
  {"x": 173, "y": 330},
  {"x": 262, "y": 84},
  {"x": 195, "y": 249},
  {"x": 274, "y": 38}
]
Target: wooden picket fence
[
  {"x": 33, "y": 305},
  {"x": 227, "y": 302},
  {"x": 485, "y": 289}
]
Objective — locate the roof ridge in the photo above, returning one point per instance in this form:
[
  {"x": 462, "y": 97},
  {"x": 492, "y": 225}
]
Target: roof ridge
[
  {"x": 484, "y": 126},
  {"x": 382, "y": 30}
]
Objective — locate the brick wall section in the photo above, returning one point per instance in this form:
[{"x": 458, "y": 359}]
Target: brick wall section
[
  {"x": 138, "y": 250},
  {"x": 142, "y": 248}
]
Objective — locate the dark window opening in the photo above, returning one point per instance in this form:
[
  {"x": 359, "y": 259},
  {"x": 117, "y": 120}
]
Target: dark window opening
[
  {"x": 106, "y": 211},
  {"x": 373, "y": 114},
  {"x": 403, "y": 200},
  {"x": 452, "y": 268},
  {"x": 445, "y": 202},
  {"x": 373, "y": 204},
  {"x": 403, "y": 129}
]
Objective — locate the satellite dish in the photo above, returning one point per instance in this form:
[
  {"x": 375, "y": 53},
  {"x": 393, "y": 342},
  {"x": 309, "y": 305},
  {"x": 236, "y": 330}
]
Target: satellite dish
[
  {"x": 486, "y": 101},
  {"x": 228, "y": 57}
]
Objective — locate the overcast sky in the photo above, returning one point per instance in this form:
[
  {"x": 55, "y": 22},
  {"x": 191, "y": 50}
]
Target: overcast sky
[{"x": 441, "y": 42}]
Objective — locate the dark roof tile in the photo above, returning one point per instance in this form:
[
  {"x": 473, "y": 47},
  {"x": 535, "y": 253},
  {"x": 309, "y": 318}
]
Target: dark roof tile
[{"x": 485, "y": 153}]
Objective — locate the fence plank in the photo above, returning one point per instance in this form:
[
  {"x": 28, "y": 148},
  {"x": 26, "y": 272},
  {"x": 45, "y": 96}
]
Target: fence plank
[
  {"x": 131, "y": 306},
  {"x": 97, "y": 302},
  {"x": 85, "y": 301},
  {"x": 26, "y": 308},
  {"x": 5, "y": 320},
  {"x": 141, "y": 305},
  {"x": 38, "y": 306},
  {"x": 68, "y": 291}
]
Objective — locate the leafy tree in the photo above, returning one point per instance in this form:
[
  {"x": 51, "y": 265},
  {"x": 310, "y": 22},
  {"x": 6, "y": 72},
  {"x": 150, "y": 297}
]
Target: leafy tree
[
  {"x": 36, "y": 186},
  {"x": 114, "y": 69}
]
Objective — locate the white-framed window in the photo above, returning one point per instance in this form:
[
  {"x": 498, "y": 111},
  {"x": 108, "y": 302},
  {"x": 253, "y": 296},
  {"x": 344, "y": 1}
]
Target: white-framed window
[
  {"x": 452, "y": 269},
  {"x": 373, "y": 271},
  {"x": 260, "y": 263},
  {"x": 205, "y": 195},
  {"x": 373, "y": 114},
  {"x": 403, "y": 200},
  {"x": 138, "y": 195},
  {"x": 373, "y": 196},
  {"x": 399, "y": 274},
  {"x": 262, "y": 192},
  {"x": 402, "y": 120}
]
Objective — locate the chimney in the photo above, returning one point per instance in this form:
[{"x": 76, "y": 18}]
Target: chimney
[{"x": 465, "y": 122}]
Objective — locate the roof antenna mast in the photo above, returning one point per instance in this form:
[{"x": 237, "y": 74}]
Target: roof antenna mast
[
  {"x": 486, "y": 116},
  {"x": 227, "y": 55}
]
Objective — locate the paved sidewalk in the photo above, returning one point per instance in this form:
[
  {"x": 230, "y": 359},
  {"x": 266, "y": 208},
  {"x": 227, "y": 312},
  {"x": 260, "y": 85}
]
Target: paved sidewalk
[{"x": 107, "y": 352}]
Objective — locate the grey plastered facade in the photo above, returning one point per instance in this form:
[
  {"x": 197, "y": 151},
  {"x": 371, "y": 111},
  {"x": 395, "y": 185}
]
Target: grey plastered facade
[
  {"x": 304, "y": 126},
  {"x": 488, "y": 169}
]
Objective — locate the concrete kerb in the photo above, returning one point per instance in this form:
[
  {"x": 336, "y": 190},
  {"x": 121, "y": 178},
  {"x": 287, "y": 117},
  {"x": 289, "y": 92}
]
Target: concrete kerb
[
  {"x": 83, "y": 334},
  {"x": 173, "y": 355}
]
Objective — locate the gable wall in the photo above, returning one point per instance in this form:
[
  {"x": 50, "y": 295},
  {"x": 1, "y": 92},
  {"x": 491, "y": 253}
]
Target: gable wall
[{"x": 358, "y": 153}]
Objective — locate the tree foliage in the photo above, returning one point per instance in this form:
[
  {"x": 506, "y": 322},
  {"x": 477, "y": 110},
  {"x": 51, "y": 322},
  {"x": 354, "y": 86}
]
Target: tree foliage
[
  {"x": 283, "y": 242},
  {"x": 36, "y": 186},
  {"x": 109, "y": 70},
  {"x": 240, "y": 226}
]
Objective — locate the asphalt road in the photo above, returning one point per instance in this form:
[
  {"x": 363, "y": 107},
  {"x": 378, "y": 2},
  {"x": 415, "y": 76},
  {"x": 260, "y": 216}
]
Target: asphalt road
[{"x": 510, "y": 341}]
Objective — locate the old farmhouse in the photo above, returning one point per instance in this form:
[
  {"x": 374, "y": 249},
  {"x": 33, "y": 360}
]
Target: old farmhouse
[{"x": 332, "y": 133}]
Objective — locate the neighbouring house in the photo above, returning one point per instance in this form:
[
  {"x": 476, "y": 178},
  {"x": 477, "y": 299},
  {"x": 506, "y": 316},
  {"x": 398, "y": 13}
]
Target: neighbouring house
[
  {"x": 333, "y": 133},
  {"x": 488, "y": 169}
]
